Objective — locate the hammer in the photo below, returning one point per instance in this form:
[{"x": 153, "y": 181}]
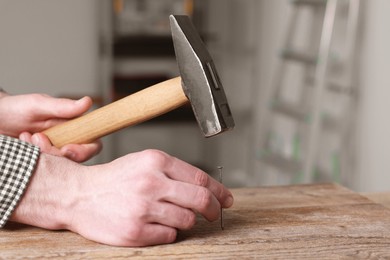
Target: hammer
[{"x": 199, "y": 85}]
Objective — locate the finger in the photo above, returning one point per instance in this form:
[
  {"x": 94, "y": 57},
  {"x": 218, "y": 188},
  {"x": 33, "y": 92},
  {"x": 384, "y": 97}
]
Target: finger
[
  {"x": 135, "y": 235},
  {"x": 156, "y": 234},
  {"x": 143, "y": 235},
  {"x": 26, "y": 137},
  {"x": 62, "y": 107},
  {"x": 194, "y": 197},
  {"x": 81, "y": 152},
  {"x": 44, "y": 143},
  {"x": 182, "y": 171},
  {"x": 48, "y": 123},
  {"x": 171, "y": 215}
]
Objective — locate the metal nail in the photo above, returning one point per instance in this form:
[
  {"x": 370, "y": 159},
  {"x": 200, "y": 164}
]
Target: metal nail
[{"x": 220, "y": 180}]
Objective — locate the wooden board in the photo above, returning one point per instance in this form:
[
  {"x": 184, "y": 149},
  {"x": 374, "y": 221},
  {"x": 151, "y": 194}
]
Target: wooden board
[
  {"x": 305, "y": 221},
  {"x": 379, "y": 197}
]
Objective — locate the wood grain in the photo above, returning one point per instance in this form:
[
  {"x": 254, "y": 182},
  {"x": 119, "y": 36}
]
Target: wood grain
[
  {"x": 293, "y": 222},
  {"x": 379, "y": 197}
]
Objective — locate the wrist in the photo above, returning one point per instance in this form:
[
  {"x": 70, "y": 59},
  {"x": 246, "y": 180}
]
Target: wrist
[{"x": 51, "y": 195}]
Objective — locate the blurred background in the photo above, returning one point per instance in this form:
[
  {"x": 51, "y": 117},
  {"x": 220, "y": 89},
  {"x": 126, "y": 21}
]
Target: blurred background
[{"x": 307, "y": 81}]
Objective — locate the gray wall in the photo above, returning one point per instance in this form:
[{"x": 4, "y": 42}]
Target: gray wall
[
  {"x": 49, "y": 46},
  {"x": 374, "y": 127}
]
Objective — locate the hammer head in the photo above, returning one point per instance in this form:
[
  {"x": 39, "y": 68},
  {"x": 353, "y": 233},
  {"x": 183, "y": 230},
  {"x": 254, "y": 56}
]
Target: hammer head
[{"x": 200, "y": 80}]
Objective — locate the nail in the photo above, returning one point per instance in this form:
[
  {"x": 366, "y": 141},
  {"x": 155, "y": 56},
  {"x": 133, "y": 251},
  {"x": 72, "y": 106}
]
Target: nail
[
  {"x": 220, "y": 180},
  {"x": 36, "y": 140},
  {"x": 80, "y": 100},
  {"x": 23, "y": 137}
]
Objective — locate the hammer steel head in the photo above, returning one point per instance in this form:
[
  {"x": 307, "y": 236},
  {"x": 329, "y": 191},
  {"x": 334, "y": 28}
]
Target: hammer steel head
[{"x": 200, "y": 81}]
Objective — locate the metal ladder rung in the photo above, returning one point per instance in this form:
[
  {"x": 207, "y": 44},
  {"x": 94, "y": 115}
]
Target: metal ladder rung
[
  {"x": 291, "y": 166},
  {"x": 330, "y": 123},
  {"x": 290, "y": 110},
  {"x": 299, "y": 56},
  {"x": 297, "y": 113},
  {"x": 279, "y": 161},
  {"x": 300, "y": 114},
  {"x": 310, "y": 2},
  {"x": 339, "y": 87},
  {"x": 334, "y": 86}
]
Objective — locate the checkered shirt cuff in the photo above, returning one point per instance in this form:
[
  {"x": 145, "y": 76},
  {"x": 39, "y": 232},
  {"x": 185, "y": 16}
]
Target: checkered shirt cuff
[{"x": 17, "y": 163}]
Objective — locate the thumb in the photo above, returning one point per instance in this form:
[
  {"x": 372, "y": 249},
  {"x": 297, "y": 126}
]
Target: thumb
[
  {"x": 44, "y": 144},
  {"x": 62, "y": 107}
]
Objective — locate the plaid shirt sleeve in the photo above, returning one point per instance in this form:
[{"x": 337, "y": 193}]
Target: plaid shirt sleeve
[{"x": 17, "y": 163}]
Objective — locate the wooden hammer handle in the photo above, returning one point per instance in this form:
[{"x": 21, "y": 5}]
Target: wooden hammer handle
[{"x": 136, "y": 108}]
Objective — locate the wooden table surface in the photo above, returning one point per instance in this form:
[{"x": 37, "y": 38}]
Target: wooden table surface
[{"x": 292, "y": 222}]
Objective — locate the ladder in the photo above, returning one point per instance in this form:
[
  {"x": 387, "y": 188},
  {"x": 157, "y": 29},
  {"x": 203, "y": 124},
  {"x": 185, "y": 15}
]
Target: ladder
[{"x": 311, "y": 76}]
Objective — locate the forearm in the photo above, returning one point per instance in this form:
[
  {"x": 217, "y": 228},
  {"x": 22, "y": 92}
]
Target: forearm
[
  {"x": 17, "y": 163},
  {"x": 50, "y": 197},
  {"x": 36, "y": 189}
]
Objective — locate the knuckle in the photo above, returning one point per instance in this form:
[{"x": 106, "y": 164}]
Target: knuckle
[
  {"x": 142, "y": 211},
  {"x": 201, "y": 178},
  {"x": 189, "y": 220},
  {"x": 204, "y": 198},
  {"x": 155, "y": 157},
  {"x": 34, "y": 100},
  {"x": 171, "y": 235},
  {"x": 220, "y": 193},
  {"x": 37, "y": 97},
  {"x": 148, "y": 183}
]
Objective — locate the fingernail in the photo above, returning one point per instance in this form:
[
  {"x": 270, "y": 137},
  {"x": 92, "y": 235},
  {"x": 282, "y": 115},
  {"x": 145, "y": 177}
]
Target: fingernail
[
  {"x": 36, "y": 140},
  {"x": 80, "y": 100},
  {"x": 23, "y": 137},
  {"x": 228, "y": 202}
]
